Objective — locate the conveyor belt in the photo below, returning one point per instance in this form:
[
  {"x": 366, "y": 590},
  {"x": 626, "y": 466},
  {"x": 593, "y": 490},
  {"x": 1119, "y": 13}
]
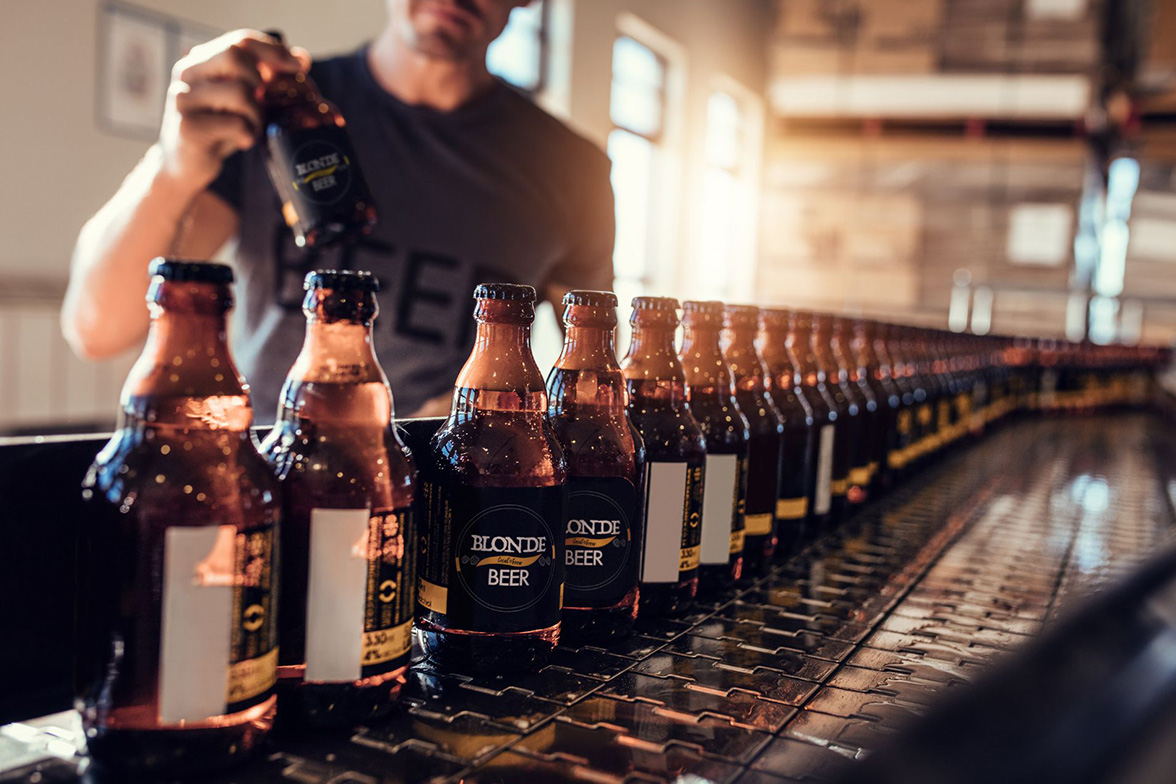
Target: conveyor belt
[{"x": 796, "y": 675}]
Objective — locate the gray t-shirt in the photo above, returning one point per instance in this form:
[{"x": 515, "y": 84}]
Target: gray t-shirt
[{"x": 497, "y": 190}]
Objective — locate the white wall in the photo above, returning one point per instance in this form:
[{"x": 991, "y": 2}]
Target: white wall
[{"x": 60, "y": 166}]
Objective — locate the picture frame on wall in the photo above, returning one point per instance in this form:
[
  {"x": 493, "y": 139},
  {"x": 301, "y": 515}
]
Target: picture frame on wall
[
  {"x": 137, "y": 48},
  {"x": 133, "y": 53}
]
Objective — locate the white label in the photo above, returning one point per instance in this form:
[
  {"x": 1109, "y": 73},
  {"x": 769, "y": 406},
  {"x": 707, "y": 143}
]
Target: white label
[
  {"x": 197, "y": 623},
  {"x": 823, "y": 496},
  {"x": 665, "y": 500},
  {"x": 718, "y": 508},
  {"x": 336, "y": 593}
]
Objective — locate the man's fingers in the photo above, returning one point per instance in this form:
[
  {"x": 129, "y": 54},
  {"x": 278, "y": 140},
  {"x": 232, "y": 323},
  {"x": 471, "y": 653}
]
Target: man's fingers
[
  {"x": 223, "y": 131},
  {"x": 224, "y": 96},
  {"x": 238, "y": 55}
]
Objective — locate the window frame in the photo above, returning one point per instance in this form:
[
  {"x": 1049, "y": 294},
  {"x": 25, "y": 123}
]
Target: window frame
[
  {"x": 662, "y": 92},
  {"x": 544, "y": 41}
]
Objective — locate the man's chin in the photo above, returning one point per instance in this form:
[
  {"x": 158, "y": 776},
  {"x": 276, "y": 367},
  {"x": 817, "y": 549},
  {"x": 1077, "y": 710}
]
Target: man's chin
[{"x": 440, "y": 46}]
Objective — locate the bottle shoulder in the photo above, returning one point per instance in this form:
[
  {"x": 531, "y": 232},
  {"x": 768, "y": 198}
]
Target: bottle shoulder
[{"x": 504, "y": 449}]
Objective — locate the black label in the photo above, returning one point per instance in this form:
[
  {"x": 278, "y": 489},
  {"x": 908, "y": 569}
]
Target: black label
[
  {"x": 253, "y": 656},
  {"x": 316, "y": 171},
  {"x": 599, "y": 561},
  {"x": 491, "y": 559},
  {"x": 391, "y": 592}
]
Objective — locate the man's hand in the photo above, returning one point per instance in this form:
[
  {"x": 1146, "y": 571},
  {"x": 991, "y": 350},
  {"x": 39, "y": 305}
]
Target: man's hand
[{"x": 212, "y": 107}]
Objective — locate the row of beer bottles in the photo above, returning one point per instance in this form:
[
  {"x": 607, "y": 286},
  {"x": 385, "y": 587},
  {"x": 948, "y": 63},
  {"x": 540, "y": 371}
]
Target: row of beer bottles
[{"x": 585, "y": 499}]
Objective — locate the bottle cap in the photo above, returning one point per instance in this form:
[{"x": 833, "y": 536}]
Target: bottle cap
[
  {"x": 741, "y": 316},
  {"x": 592, "y": 299},
  {"x": 655, "y": 303},
  {"x": 507, "y": 292},
  {"x": 191, "y": 271},
  {"x": 704, "y": 307},
  {"x": 361, "y": 280}
]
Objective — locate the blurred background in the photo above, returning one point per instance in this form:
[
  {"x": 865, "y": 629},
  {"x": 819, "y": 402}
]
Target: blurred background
[{"x": 999, "y": 166}]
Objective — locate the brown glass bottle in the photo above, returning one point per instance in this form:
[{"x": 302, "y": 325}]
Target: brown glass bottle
[
  {"x": 831, "y": 450},
  {"x": 797, "y": 471},
  {"x": 850, "y": 414},
  {"x": 765, "y": 446},
  {"x": 587, "y": 403},
  {"x": 877, "y": 374},
  {"x": 180, "y": 560},
  {"x": 312, "y": 163},
  {"x": 348, "y": 535},
  {"x": 675, "y": 454},
  {"x": 491, "y": 572},
  {"x": 711, "y": 399},
  {"x": 861, "y": 400}
]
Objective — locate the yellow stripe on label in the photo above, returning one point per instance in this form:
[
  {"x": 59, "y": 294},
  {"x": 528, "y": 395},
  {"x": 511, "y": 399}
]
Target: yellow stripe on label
[
  {"x": 791, "y": 508},
  {"x": 432, "y": 596},
  {"x": 689, "y": 559},
  {"x": 859, "y": 475},
  {"x": 757, "y": 524},
  {"x": 386, "y": 644},
  {"x": 737, "y": 542},
  {"x": 839, "y": 486},
  {"x": 252, "y": 677}
]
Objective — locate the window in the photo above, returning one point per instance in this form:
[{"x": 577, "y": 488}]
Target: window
[
  {"x": 519, "y": 55},
  {"x": 722, "y": 198},
  {"x": 637, "y": 109}
]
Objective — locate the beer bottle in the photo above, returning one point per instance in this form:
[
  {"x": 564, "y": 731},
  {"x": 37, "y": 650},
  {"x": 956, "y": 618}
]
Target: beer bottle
[
  {"x": 348, "y": 536},
  {"x": 492, "y": 554},
  {"x": 851, "y": 407},
  {"x": 603, "y": 530},
  {"x": 180, "y": 560},
  {"x": 324, "y": 195},
  {"x": 765, "y": 445},
  {"x": 675, "y": 453},
  {"x": 905, "y": 434},
  {"x": 831, "y": 450},
  {"x": 798, "y": 470},
  {"x": 877, "y": 374},
  {"x": 711, "y": 399},
  {"x": 855, "y": 374}
]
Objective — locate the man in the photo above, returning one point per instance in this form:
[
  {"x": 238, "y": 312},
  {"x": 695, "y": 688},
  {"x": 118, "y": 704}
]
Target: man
[{"x": 472, "y": 181}]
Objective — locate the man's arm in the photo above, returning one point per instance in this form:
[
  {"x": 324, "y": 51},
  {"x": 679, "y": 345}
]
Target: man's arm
[{"x": 162, "y": 207}]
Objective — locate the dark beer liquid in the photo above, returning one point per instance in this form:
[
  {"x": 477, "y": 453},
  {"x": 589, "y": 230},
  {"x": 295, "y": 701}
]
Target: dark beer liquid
[
  {"x": 348, "y": 536},
  {"x": 492, "y": 554},
  {"x": 848, "y": 417},
  {"x": 179, "y": 563},
  {"x": 765, "y": 446},
  {"x": 675, "y": 455},
  {"x": 798, "y": 466},
  {"x": 604, "y": 531},
  {"x": 312, "y": 164},
  {"x": 711, "y": 398}
]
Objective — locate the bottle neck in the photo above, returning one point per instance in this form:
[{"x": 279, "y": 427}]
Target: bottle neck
[
  {"x": 807, "y": 367},
  {"x": 588, "y": 348},
  {"x": 501, "y": 374},
  {"x": 185, "y": 376},
  {"x": 702, "y": 360},
  {"x": 337, "y": 378},
  {"x": 652, "y": 368},
  {"x": 741, "y": 356}
]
